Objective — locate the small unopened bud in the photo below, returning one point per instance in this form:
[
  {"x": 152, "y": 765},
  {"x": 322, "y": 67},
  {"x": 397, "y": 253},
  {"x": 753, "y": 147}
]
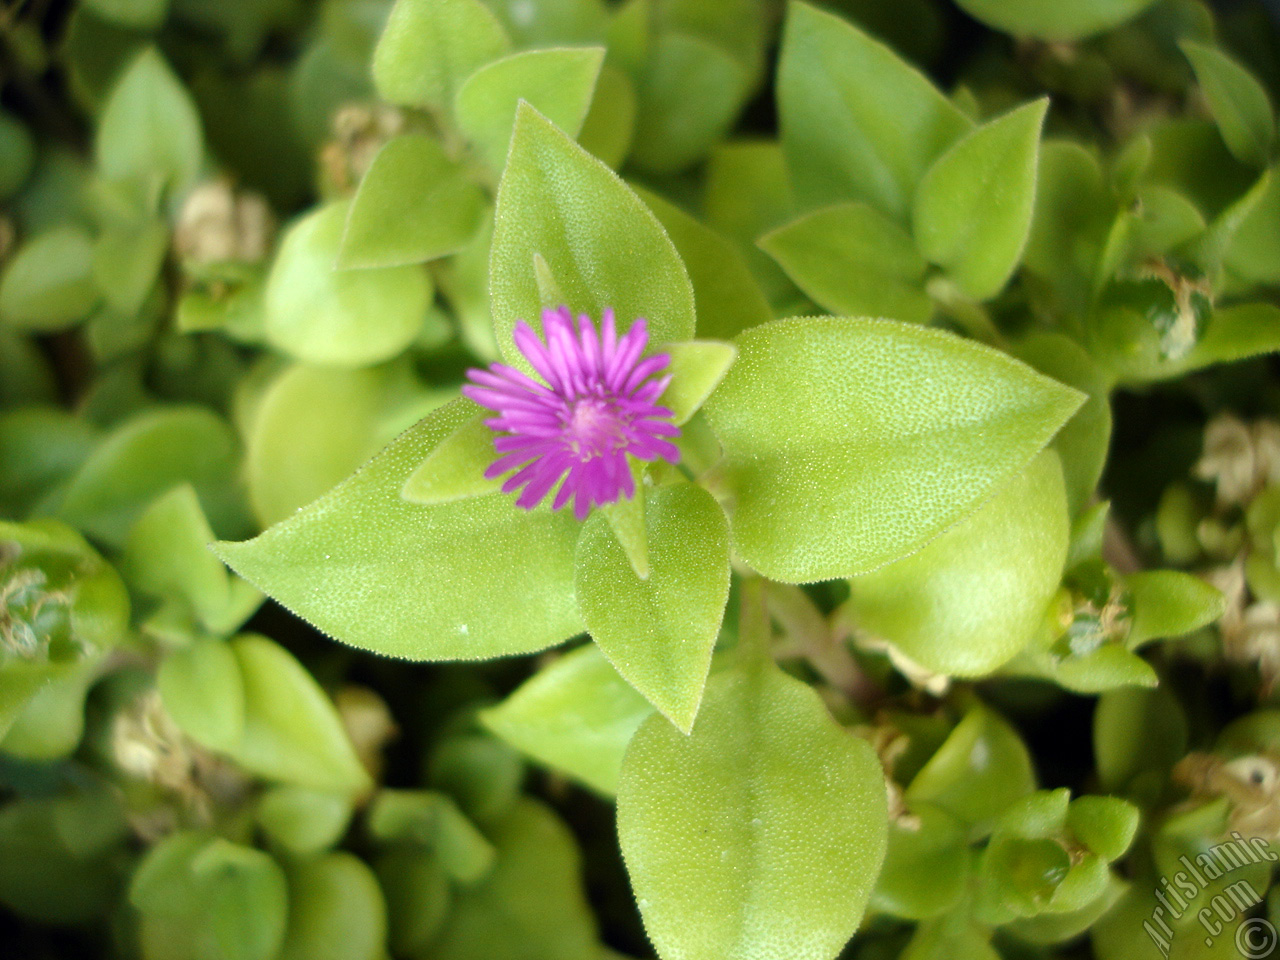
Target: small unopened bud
[
  {"x": 360, "y": 130},
  {"x": 1239, "y": 459},
  {"x": 220, "y": 224}
]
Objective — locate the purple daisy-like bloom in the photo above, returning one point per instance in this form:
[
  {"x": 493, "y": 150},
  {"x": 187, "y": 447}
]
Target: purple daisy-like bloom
[{"x": 596, "y": 406}]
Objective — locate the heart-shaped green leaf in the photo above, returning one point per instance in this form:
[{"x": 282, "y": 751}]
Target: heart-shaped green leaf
[
  {"x": 659, "y": 632},
  {"x": 576, "y": 715},
  {"x": 974, "y": 596},
  {"x": 599, "y": 241},
  {"x": 972, "y": 210},
  {"x": 697, "y": 367},
  {"x": 429, "y": 47},
  {"x": 727, "y": 296},
  {"x": 858, "y": 122},
  {"x": 850, "y": 443},
  {"x": 344, "y": 318},
  {"x": 414, "y": 204},
  {"x": 558, "y": 83},
  {"x": 759, "y": 834},
  {"x": 853, "y": 260},
  {"x": 1238, "y": 102},
  {"x": 368, "y": 567},
  {"x": 1054, "y": 21}
]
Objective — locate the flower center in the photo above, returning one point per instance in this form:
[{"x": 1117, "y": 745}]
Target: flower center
[{"x": 594, "y": 427}]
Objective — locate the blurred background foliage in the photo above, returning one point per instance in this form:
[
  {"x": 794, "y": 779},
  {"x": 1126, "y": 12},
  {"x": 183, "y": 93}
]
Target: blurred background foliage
[{"x": 188, "y": 773}]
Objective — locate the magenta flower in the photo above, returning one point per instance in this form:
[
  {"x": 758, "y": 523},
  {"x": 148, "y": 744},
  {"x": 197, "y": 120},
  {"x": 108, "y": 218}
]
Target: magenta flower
[{"x": 595, "y": 406}]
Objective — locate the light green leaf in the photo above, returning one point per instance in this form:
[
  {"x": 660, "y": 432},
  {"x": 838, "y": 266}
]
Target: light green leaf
[
  {"x": 727, "y": 297},
  {"x": 558, "y": 83},
  {"x": 972, "y": 211},
  {"x": 1254, "y": 250},
  {"x": 531, "y": 905},
  {"x": 858, "y": 123},
  {"x": 304, "y": 821},
  {"x": 344, "y": 318},
  {"x": 1138, "y": 735},
  {"x": 576, "y": 715},
  {"x": 659, "y": 632},
  {"x": 336, "y": 911},
  {"x": 673, "y": 129},
  {"x": 1168, "y": 603},
  {"x": 981, "y": 768},
  {"x": 1054, "y": 21},
  {"x": 429, "y": 47},
  {"x": 248, "y": 901},
  {"x": 454, "y": 470},
  {"x": 1083, "y": 443},
  {"x": 430, "y": 818},
  {"x": 853, "y": 260},
  {"x": 418, "y": 895},
  {"x": 313, "y": 426},
  {"x": 203, "y": 691},
  {"x": 758, "y": 835},
  {"x": 167, "y": 556},
  {"x": 926, "y": 865},
  {"x": 131, "y": 14},
  {"x": 414, "y": 204},
  {"x": 974, "y": 596},
  {"x": 1238, "y": 102},
  {"x": 609, "y": 127},
  {"x": 146, "y": 456},
  {"x": 127, "y": 262},
  {"x": 396, "y": 583},
  {"x": 851, "y": 443},
  {"x": 48, "y": 283},
  {"x": 602, "y": 245},
  {"x": 1108, "y": 667},
  {"x": 149, "y": 130},
  {"x": 551, "y": 22},
  {"x": 697, "y": 367},
  {"x": 291, "y": 730}
]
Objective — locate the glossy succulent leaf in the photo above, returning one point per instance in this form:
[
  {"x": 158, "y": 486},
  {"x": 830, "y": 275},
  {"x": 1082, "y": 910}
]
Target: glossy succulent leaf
[
  {"x": 981, "y": 768},
  {"x": 858, "y": 123},
  {"x": 414, "y": 204},
  {"x": 726, "y": 295},
  {"x": 431, "y": 818},
  {"x": 815, "y": 499},
  {"x": 345, "y": 318},
  {"x": 248, "y": 901},
  {"x": 926, "y": 865},
  {"x": 609, "y": 128},
  {"x": 760, "y": 832},
  {"x": 659, "y": 632},
  {"x": 1238, "y": 102},
  {"x": 1051, "y": 21},
  {"x": 1138, "y": 735},
  {"x": 600, "y": 243},
  {"x": 1168, "y": 603},
  {"x": 576, "y": 715},
  {"x": 558, "y": 83},
  {"x": 972, "y": 210},
  {"x": 853, "y": 260},
  {"x": 397, "y": 584},
  {"x": 429, "y": 47},
  {"x": 970, "y": 599}
]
